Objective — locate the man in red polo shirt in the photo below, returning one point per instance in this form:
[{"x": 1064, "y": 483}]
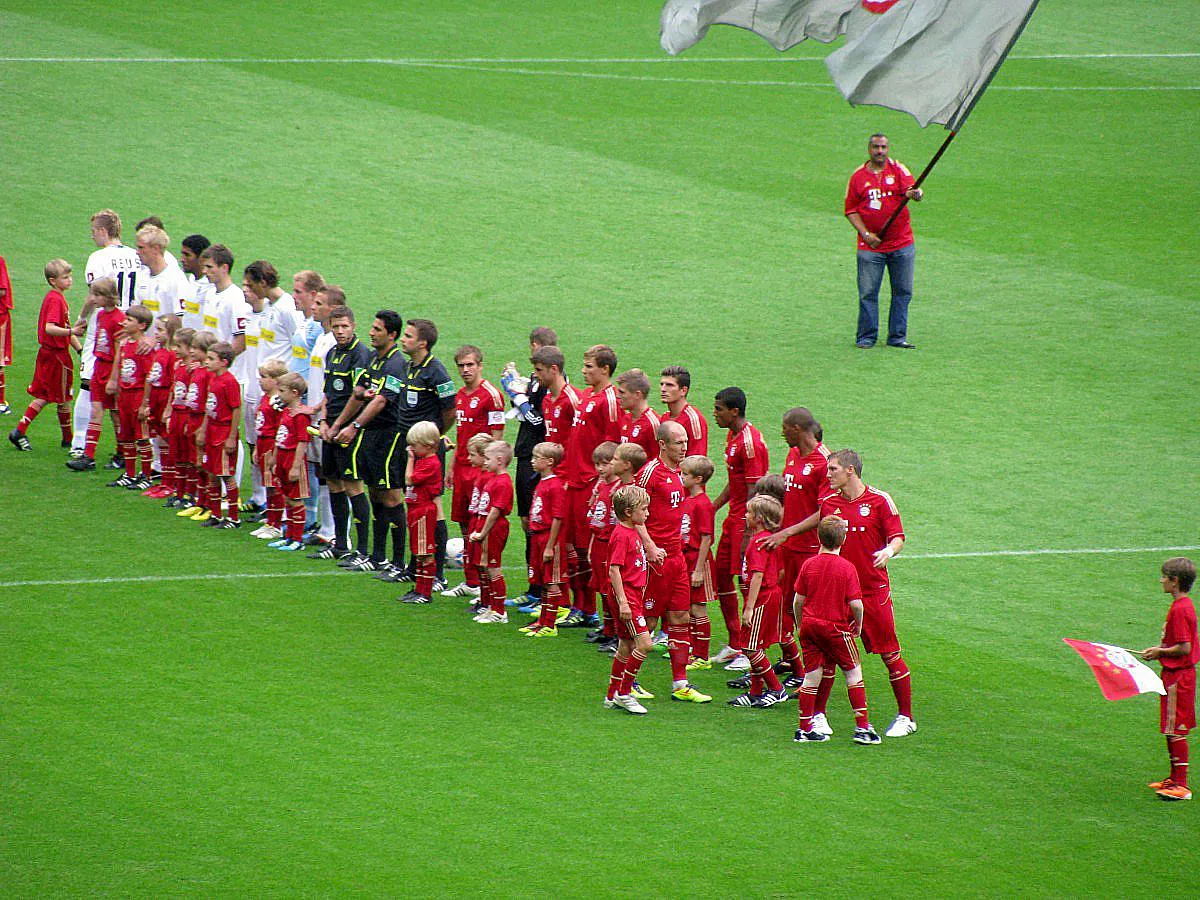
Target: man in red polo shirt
[{"x": 876, "y": 190}]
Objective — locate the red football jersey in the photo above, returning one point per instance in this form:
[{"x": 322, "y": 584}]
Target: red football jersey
[
  {"x": 665, "y": 487},
  {"x": 478, "y": 477},
  {"x": 597, "y": 419},
  {"x": 805, "y": 483},
  {"x": 549, "y": 503},
  {"x": 54, "y": 312},
  {"x": 760, "y": 558},
  {"x": 1180, "y": 628},
  {"x": 875, "y": 196},
  {"x": 480, "y": 411},
  {"x": 197, "y": 393},
  {"x": 695, "y": 425},
  {"x": 292, "y": 429},
  {"x": 873, "y": 521},
  {"x": 108, "y": 323},
  {"x": 625, "y": 551},
  {"x": 642, "y": 431},
  {"x": 135, "y": 367},
  {"x": 426, "y": 481},
  {"x": 266, "y": 423},
  {"x": 495, "y": 492},
  {"x": 224, "y": 396},
  {"x": 601, "y": 518},
  {"x": 828, "y": 583},
  {"x": 699, "y": 519},
  {"x": 559, "y": 415},
  {"x": 162, "y": 369},
  {"x": 746, "y": 461},
  {"x": 179, "y": 387}
]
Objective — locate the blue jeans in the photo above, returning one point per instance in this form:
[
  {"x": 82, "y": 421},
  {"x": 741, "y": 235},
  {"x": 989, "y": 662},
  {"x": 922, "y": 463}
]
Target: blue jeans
[{"x": 899, "y": 265}]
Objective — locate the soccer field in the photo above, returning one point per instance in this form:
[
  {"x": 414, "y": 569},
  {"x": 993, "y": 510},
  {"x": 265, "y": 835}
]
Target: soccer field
[{"x": 185, "y": 712}]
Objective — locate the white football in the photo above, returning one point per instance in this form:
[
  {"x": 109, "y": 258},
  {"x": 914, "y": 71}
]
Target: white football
[{"x": 454, "y": 553}]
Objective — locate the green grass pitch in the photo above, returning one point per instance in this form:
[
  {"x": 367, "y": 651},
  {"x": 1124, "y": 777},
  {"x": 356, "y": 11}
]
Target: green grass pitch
[{"x": 210, "y": 733}]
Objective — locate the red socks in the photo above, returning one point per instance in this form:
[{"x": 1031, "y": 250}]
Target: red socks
[
  {"x": 760, "y": 671},
  {"x": 275, "y": 508},
  {"x": 701, "y": 629},
  {"x": 64, "y": 421},
  {"x": 551, "y": 598},
  {"x": 901, "y": 682},
  {"x": 825, "y": 688},
  {"x": 128, "y": 455},
  {"x": 629, "y": 676},
  {"x": 617, "y": 674},
  {"x": 791, "y": 652},
  {"x": 1177, "y": 750},
  {"x": 858, "y": 702},
  {"x": 425, "y": 572},
  {"x": 295, "y": 523},
  {"x": 231, "y": 500},
  {"x": 808, "y": 703},
  {"x": 679, "y": 645},
  {"x": 145, "y": 458},
  {"x": 499, "y": 592},
  {"x": 92, "y": 439},
  {"x": 31, "y": 412}
]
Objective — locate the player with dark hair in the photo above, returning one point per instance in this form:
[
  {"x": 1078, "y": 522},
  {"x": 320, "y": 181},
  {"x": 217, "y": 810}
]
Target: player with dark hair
[
  {"x": 674, "y": 384},
  {"x": 370, "y": 425},
  {"x": 597, "y": 419},
  {"x": 746, "y": 461}
]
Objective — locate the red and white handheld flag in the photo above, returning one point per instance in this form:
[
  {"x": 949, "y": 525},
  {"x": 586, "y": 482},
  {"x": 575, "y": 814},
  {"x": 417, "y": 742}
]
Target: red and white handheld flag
[{"x": 1119, "y": 672}]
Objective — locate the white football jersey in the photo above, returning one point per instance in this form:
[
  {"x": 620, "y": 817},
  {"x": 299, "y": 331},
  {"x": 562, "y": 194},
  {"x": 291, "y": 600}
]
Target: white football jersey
[
  {"x": 280, "y": 321},
  {"x": 245, "y": 367},
  {"x": 163, "y": 294},
  {"x": 316, "y": 369},
  {"x": 225, "y": 313},
  {"x": 193, "y": 305},
  {"x": 122, "y": 264}
]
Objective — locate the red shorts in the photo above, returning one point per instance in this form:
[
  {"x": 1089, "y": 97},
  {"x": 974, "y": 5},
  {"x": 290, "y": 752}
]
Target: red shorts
[
  {"x": 99, "y": 384},
  {"x": 160, "y": 399},
  {"x": 183, "y": 447},
  {"x": 291, "y": 490},
  {"x": 575, "y": 518},
  {"x": 129, "y": 426},
  {"x": 598, "y": 559},
  {"x": 1177, "y": 710},
  {"x": 790, "y": 562},
  {"x": 542, "y": 571},
  {"x": 5, "y": 338},
  {"x": 706, "y": 591},
  {"x": 492, "y": 554},
  {"x": 460, "y": 497},
  {"x": 637, "y": 622},
  {"x": 822, "y": 642},
  {"x": 728, "y": 562},
  {"x": 668, "y": 587},
  {"x": 261, "y": 450},
  {"x": 879, "y": 625},
  {"x": 218, "y": 460},
  {"x": 422, "y": 526},
  {"x": 764, "y": 622},
  {"x": 53, "y": 376}
]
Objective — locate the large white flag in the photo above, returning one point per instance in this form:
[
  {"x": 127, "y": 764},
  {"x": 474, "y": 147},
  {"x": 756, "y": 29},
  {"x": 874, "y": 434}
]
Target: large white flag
[{"x": 929, "y": 58}]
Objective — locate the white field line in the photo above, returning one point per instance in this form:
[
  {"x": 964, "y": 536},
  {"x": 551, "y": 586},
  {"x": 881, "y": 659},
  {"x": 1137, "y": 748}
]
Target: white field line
[
  {"x": 239, "y": 576},
  {"x": 525, "y": 60},
  {"x": 485, "y": 66}
]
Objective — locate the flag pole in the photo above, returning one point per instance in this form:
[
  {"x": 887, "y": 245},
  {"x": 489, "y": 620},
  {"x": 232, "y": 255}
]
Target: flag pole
[{"x": 916, "y": 184}]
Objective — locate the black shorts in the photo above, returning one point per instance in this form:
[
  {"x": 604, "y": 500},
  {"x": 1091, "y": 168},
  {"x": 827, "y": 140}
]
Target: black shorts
[
  {"x": 378, "y": 459},
  {"x": 524, "y": 484},
  {"x": 336, "y": 461}
]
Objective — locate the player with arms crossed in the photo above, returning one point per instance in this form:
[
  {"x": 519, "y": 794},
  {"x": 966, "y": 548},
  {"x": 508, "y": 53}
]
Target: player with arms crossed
[{"x": 874, "y": 535}]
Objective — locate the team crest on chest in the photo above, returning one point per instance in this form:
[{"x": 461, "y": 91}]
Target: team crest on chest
[
  {"x": 807, "y": 470},
  {"x": 864, "y": 510}
]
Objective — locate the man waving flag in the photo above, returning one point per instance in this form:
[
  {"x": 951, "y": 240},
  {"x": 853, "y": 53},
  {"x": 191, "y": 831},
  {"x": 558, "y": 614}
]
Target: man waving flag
[{"x": 931, "y": 59}]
